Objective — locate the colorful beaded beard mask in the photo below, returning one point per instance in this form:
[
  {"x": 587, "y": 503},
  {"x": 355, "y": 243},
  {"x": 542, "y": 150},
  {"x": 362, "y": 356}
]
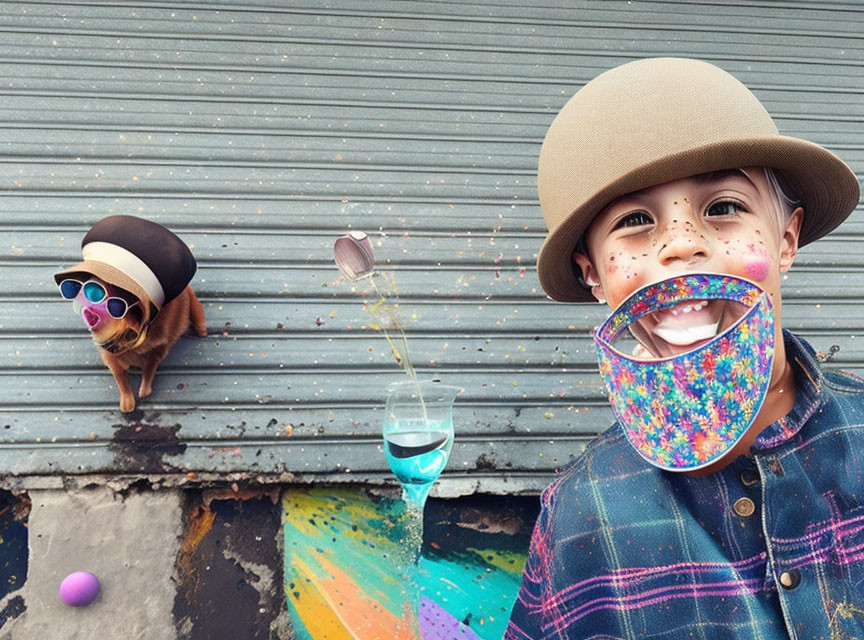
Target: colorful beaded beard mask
[{"x": 693, "y": 382}]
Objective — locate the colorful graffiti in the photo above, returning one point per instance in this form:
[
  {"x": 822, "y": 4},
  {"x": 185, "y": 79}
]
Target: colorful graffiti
[{"x": 346, "y": 561}]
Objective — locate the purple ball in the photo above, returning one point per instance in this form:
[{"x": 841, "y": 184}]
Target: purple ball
[{"x": 79, "y": 589}]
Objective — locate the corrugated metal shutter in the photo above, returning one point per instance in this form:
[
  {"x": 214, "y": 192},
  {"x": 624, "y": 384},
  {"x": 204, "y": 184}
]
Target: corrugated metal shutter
[{"x": 261, "y": 132}]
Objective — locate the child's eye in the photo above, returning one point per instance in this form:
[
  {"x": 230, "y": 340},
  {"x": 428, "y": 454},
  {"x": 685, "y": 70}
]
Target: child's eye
[
  {"x": 635, "y": 219},
  {"x": 724, "y": 208}
]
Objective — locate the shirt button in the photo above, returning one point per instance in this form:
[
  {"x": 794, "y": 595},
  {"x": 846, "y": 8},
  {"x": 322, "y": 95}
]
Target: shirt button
[
  {"x": 744, "y": 507},
  {"x": 790, "y": 579},
  {"x": 749, "y": 477}
]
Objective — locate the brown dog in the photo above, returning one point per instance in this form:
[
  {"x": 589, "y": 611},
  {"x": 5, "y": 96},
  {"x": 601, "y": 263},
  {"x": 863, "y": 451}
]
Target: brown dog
[
  {"x": 132, "y": 291},
  {"x": 122, "y": 345}
]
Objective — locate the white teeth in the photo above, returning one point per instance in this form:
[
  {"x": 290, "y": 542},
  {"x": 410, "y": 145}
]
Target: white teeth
[
  {"x": 687, "y": 308},
  {"x": 688, "y": 335},
  {"x": 673, "y": 333}
]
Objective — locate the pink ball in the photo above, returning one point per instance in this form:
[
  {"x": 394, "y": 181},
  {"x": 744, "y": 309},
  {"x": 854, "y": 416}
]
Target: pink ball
[{"x": 79, "y": 589}]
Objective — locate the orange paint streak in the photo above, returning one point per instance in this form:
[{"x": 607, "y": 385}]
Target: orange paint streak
[
  {"x": 200, "y": 523},
  {"x": 313, "y": 608},
  {"x": 364, "y": 616},
  {"x": 199, "y": 526}
]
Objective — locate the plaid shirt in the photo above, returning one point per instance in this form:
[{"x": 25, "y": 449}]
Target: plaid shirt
[{"x": 772, "y": 546}]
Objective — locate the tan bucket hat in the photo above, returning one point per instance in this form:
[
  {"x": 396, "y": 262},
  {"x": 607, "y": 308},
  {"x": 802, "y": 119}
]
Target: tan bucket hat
[
  {"x": 138, "y": 255},
  {"x": 661, "y": 119}
]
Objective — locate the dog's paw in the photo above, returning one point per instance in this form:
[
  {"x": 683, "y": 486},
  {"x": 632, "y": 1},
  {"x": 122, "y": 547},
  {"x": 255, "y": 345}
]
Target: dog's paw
[
  {"x": 145, "y": 390},
  {"x": 127, "y": 403}
]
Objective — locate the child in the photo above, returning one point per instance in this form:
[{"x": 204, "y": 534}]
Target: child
[{"x": 671, "y": 168}]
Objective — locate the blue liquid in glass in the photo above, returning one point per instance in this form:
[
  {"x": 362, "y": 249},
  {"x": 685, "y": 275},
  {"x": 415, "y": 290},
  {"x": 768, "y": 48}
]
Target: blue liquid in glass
[{"x": 417, "y": 458}]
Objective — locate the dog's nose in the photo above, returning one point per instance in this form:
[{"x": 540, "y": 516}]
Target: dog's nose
[{"x": 91, "y": 318}]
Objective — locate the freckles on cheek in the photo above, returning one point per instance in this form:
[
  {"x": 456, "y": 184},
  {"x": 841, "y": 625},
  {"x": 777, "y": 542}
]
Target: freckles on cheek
[
  {"x": 614, "y": 264},
  {"x": 620, "y": 272},
  {"x": 623, "y": 277}
]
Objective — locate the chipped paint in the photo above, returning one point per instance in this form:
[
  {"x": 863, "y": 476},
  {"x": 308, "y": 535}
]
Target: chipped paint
[
  {"x": 142, "y": 443},
  {"x": 14, "y": 512},
  {"x": 229, "y": 569},
  {"x": 12, "y": 609}
]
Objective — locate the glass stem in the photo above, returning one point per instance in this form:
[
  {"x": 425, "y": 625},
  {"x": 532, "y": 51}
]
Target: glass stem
[{"x": 414, "y": 553}]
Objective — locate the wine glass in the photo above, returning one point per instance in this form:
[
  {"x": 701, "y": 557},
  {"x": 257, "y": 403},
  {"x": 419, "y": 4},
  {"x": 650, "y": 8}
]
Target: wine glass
[{"x": 418, "y": 435}]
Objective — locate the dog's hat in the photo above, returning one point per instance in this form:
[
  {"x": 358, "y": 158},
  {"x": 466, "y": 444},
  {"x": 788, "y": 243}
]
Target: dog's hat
[
  {"x": 137, "y": 255},
  {"x": 656, "y": 120}
]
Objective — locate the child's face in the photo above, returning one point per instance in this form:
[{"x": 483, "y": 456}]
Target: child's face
[{"x": 724, "y": 222}]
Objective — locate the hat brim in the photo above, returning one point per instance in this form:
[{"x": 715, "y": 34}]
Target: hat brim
[
  {"x": 112, "y": 276},
  {"x": 827, "y": 187}
]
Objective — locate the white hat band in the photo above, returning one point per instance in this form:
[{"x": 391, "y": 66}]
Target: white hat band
[{"x": 128, "y": 263}]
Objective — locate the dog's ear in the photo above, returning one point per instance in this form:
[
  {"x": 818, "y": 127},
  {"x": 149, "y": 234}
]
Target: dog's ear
[{"x": 135, "y": 317}]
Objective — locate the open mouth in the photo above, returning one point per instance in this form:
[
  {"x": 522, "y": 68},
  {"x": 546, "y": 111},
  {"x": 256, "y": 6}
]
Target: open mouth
[
  {"x": 92, "y": 319},
  {"x": 685, "y": 326}
]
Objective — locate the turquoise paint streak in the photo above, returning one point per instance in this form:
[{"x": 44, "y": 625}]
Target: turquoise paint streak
[{"x": 471, "y": 589}]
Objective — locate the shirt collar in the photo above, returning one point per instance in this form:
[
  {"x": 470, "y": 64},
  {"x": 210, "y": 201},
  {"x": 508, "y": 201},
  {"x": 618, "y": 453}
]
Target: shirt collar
[{"x": 808, "y": 393}]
